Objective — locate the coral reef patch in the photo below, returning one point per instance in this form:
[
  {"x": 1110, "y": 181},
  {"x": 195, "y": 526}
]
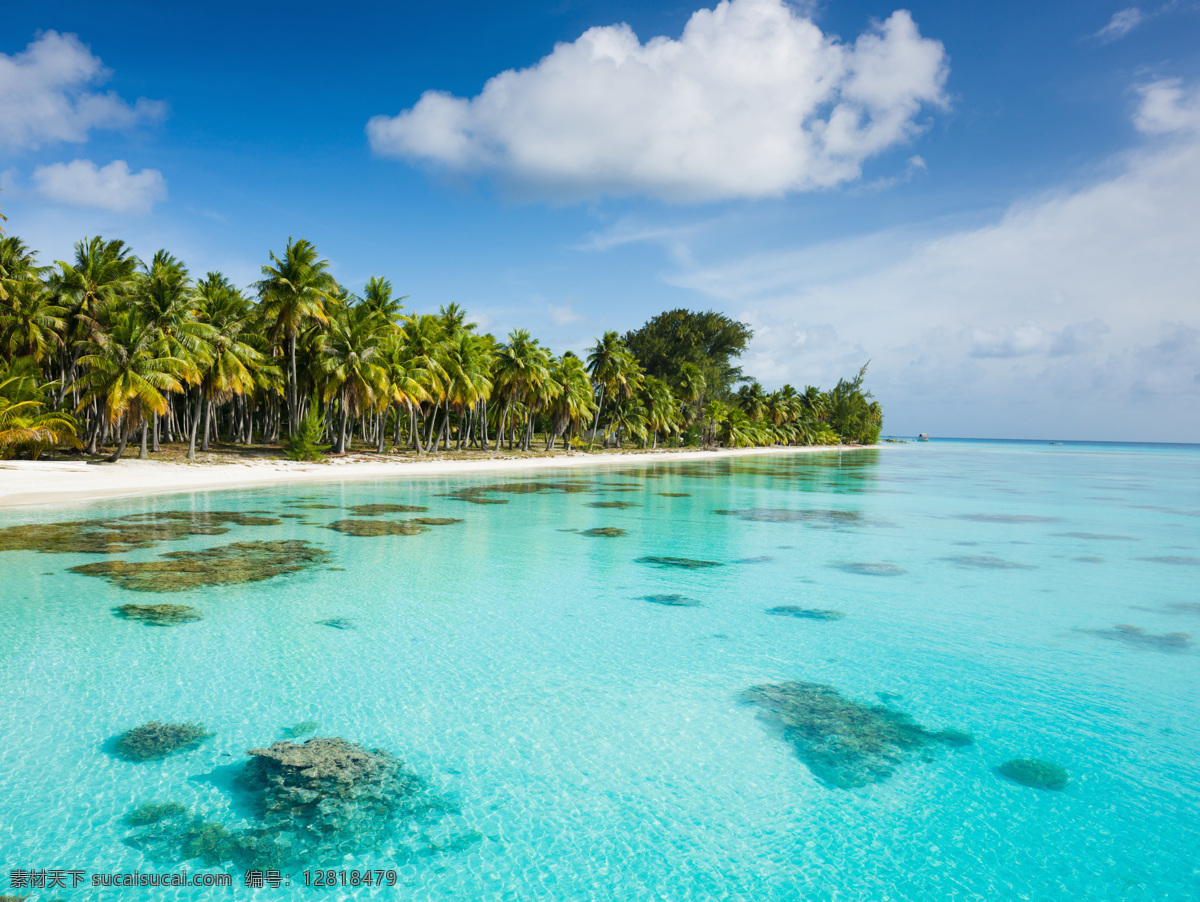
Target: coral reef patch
[
  {"x": 683, "y": 563},
  {"x": 122, "y": 534},
  {"x": 675, "y": 601},
  {"x": 674, "y": 495},
  {"x": 870, "y": 568},
  {"x": 180, "y": 571},
  {"x": 434, "y": 521},
  {"x": 1007, "y": 518},
  {"x": 158, "y": 614},
  {"x": 605, "y": 531},
  {"x": 376, "y": 527},
  {"x": 985, "y": 562},
  {"x": 612, "y": 505},
  {"x": 844, "y": 743},
  {"x": 791, "y": 610},
  {"x": 374, "y": 510},
  {"x": 1136, "y": 636},
  {"x": 1035, "y": 773},
  {"x": 155, "y": 739},
  {"x": 480, "y": 494},
  {"x": 777, "y": 515},
  {"x": 1178, "y": 560},
  {"x": 295, "y": 731},
  {"x": 153, "y": 812}
]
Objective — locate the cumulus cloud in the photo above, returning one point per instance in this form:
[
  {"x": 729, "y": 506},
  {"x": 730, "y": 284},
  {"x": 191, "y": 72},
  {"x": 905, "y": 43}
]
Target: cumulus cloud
[
  {"x": 752, "y": 100},
  {"x": 563, "y": 314},
  {"x": 1122, "y": 22},
  {"x": 114, "y": 187},
  {"x": 1167, "y": 108},
  {"x": 1073, "y": 315},
  {"x": 44, "y": 95}
]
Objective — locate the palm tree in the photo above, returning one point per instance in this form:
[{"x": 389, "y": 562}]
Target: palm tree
[
  {"x": 233, "y": 365},
  {"x": 522, "y": 371},
  {"x": 24, "y": 422},
  {"x": 127, "y": 370},
  {"x": 377, "y": 297},
  {"x": 295, "y": 292},
  {"x": 31, "y": 324},
  {"x": 573, "y": 400},
  {"x": 422, "y": 348},
  {"x": 353, "y": 365},
  {"x": 662, "y": 407},
  {"x": 468, "y": 366}
]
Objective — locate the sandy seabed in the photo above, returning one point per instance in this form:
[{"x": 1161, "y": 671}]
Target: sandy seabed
[{"x": 28, "y": 483}]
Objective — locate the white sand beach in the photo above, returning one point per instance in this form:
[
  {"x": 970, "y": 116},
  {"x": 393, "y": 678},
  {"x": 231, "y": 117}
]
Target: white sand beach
[{"x": 31, "y": 483}]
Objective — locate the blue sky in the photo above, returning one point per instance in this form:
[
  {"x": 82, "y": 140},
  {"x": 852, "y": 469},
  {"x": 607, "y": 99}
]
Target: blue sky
[{"x": 994, "y": 203}]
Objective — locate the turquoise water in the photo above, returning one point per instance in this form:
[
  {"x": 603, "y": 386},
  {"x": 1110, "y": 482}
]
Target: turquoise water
[{"x": 594, "y": 745}]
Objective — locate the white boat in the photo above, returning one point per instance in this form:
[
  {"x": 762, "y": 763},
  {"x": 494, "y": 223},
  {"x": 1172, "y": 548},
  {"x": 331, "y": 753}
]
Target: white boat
[{"x": 923, "y": 437}]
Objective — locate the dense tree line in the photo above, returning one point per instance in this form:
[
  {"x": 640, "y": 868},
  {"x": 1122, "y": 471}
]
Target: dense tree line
[{"x": 106, "y": 349}]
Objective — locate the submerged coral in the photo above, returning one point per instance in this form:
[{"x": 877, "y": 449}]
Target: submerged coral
[
  {"x": 328, "y": 791},
  {"x": 606, "y": 531},
  {"x": 1139, "y": 638},
  {"x": 1035, "y": 773},
  {"x": 179, "y": 835},
  {"x": 179, "y": 571},
  {"x": 1007, "y": 518},
  {"x": 685, "y": 563},
  {"x": 870, "y": 568},
  {"x": 845, "y": 744},
  {"x": 776, "y": 515},
  {"x": 1178, "y": 560},
  {"x": 300, "y": 729},
  {"x": 153, "y": 812},
  {"x": 480, "y": 494},
  {"x": 674, "y": 495},
  {"x": 156, "y": 739},
  {"x": 612, "y": 505},
  {"x": 158, "y": 614},
  {"x": 434, "y": 521},
  {"x": 122, "y": 534},
  {"x": 337, "y": 623},
  {"x": 372, "y": 510},
  {"x": 791, "y": 610},
  {"x": 376, "y": 527},
  {"x": 677, "y": 601},
  {"x": 986, "y": 562}
]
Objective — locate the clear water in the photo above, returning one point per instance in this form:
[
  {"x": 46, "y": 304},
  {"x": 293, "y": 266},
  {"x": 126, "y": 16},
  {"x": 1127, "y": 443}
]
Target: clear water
[{"x": 596, "y": 742}]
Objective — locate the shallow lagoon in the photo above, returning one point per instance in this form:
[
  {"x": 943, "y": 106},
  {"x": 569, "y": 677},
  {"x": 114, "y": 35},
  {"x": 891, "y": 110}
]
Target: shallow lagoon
[{"x": 591, "y": 745}]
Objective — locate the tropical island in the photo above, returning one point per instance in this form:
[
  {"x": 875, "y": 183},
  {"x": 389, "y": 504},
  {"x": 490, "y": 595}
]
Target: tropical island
[{"x": 106, "y": 351}]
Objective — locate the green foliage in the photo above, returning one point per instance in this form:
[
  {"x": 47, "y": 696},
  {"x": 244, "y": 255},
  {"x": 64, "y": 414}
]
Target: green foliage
[
  {"x": 305, "y": 442},
  {"x": 709, "y": 341}
]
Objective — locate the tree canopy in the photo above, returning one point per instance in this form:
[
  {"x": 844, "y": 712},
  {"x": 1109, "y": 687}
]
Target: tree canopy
[{"x": 709, "y": 341}]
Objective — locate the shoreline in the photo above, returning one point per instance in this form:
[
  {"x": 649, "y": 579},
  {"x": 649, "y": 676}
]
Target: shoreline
[{"x": 76, "y": 481}]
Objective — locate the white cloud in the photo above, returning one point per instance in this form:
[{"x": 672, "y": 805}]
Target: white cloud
[
  {"x": 44, "y": 96},
  {"x": 113, "y": 187},
  {"x": 563, "y": 314},
  {"x": 1122, "y": 22},
  {"x": 1074, "y": 315},
  {"x": 753, "y": 100},
  {"x": 1167, "y": 108}
]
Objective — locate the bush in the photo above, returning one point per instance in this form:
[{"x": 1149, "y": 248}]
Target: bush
[{"x": 305, "y": 442}]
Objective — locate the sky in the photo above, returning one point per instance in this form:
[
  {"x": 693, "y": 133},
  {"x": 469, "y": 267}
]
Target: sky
[{"x": 994, "y": 204}]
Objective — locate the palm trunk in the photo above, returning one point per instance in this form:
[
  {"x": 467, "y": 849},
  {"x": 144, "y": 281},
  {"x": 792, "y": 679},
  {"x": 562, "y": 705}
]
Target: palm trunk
[
  {"x": 157, "y": 447},
  {"x": 194, "y": 425},
  {"x": 116, "y": 455},
  {"x": 206, "y": 416},
  {"x": 142, "y": 455},
  {"x": 500, "y": 425}
]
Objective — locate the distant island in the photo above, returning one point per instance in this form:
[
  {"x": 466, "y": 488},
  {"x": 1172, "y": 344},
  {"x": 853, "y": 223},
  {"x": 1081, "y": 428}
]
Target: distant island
[{"x": 107, "y": 350}]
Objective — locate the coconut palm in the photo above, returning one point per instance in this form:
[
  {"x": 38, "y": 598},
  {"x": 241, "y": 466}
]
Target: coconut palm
[
  {"x": 295, "y": 292},
  {"x": 468, "y": 365},
  {"x": 24, "y": 422},
  {"x": 126, "y": 369},
  {"x": 573, "y": 399},
  {"x": 31, "y": 324},
  {"x": 522, "y": 371},
  {"x": 353, "y": 365}
]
